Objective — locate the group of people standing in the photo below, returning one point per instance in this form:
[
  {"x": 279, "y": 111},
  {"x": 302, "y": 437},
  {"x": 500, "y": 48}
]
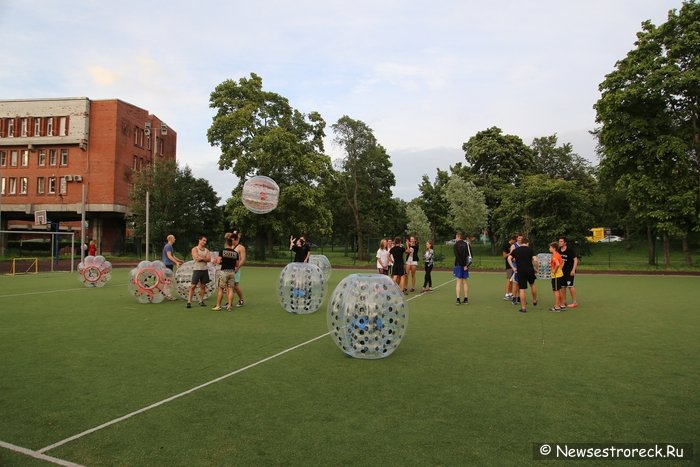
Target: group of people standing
[
  {"x": 521, "y": 264},
  {"x": 231, "y": 259},
  {"x": 399, "y": 262}
]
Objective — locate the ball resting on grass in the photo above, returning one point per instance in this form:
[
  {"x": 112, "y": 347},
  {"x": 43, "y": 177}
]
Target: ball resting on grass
[
  {"x": 260, "y": 194},
  {"x": 94, "y": 271},
  {"x": 301, "y": 288},
  {"x": 150, "y": 282},
  {"x": 367, "y": 316},
  {"x": 323, "y": 263},
  {"x": 544, "y": 271},
  {"x": 183, "y": 280}
]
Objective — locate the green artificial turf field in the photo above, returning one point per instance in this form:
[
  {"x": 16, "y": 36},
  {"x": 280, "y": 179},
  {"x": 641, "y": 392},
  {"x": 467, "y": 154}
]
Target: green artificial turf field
[{"x": 476, "y": 384}]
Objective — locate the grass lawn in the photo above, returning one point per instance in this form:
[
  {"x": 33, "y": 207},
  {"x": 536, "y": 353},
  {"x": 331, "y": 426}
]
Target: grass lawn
[{"x": 469, "y": 385}]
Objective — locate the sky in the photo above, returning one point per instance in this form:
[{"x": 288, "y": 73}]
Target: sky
[{"x": 424, "y": 76}]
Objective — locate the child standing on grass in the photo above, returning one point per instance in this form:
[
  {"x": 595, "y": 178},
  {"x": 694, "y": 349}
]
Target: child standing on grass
[
  {"x": 556, "y": 264},
  {"x": 428, "y": 257}
]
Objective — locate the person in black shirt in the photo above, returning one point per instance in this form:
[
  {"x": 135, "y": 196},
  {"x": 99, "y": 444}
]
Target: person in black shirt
[
  {"x": 463, "y": 259},
  {"x": 396, "y": 254},
  {"x": 507, "y": 247},
  {"x": 228, "y": 259},
  {"x": 525, "y": 266},
  {"x": 570, "y": 263},
  {"x": 301, "y": 249}
]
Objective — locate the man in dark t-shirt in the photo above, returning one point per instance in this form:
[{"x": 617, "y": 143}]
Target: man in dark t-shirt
[
  {"x": 301, "y": 249},
  {"x": 525, "y": 266},
  {"x": 570, "y": 263},
  {"x": 396, "y": 255}
]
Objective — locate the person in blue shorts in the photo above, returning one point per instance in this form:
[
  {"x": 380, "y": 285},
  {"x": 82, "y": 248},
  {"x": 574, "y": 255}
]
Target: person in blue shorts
[{"x": 463, "y": 259}]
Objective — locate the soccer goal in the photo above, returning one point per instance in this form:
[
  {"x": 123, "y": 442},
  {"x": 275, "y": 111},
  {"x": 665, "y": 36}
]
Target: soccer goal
[{"x": 30, "y": 251}]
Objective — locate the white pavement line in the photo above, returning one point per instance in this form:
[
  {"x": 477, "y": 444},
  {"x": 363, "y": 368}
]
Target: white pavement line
[
  {"x": 55, "y": 291},
  {"x": 38, "y": 455},
  {"x": 176, "y": 396},
  {"x": 196, "y": 388}
]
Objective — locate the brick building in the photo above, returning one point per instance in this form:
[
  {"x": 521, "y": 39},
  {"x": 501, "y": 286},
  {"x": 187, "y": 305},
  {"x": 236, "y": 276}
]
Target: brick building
[{"x": 53, "y": 149}]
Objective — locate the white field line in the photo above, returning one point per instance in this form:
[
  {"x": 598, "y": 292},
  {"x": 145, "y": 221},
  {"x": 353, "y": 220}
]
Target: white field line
[
  {"x": 37, "y": 455},
  {"x": 196, "y": 388},
  {"x": 56, "y": 291}
]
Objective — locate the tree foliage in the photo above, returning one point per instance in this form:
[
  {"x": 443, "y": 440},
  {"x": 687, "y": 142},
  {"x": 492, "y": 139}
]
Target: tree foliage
[
  {"x": 496, "y": 161},
  {"x": 259, "y": 133},
  {"x": 179, "y": 204},
  {"x": 649, "y": 116},
  {"x": 434, "y": 204},
  {"x": 468, "y": 209},
  {"x": 543, "y": 208},
  {"x": 418, "y": 224}
]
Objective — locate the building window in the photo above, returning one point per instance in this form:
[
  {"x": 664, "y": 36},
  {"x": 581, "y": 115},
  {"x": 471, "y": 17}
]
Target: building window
[
  {"x": 24, "y": 127},
  {"x": 136, "y": 136},
  {"x": 37, "y": 126},
  {"x": 3, "y": 159},
  {"x": 64, "y": 157},
  {"x": 42, "y": 158},
  {"x": 25, "y": 158},
  {"x": 40, "y": 185},
  {"x": 52, "y": 157},
  {"x": 49, "y": 126},
  {"x": 10, "y": 127},
  {"x": 148, "y": 141},
  {"x": 13, "y": 158},
  {"x": 2, "y": 186},
  {"x": 13, "y": 186},
  {"x": 162, "y": 143},
  {"x": 52, "y": 185},
  {"x": 23, "y": 186},
  {"x": 63, "y": 126},
  {"x": 64, "y": 185}
]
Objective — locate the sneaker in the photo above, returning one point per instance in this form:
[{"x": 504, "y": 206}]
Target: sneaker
[
  {"x": 226, "y": 305},
  {"x": 572, "y": 305},
  {"x": 523, "y": 310},
  {"x": 202, "y": 304},
  {"x": 534, "y": 303},
  {"x": 507, "y": 298},
  {"x": 189, "y": 305},
  {"x": 563, "y": 307},
  {"x": 555, "y": 310},
  {"x": 239, "y": 304},
  {"x": 458, "y": 302},
  {"x": 228, "y": 308},
  {"x": 466, "y": 301},
  {"x": 413, "y": 290},
  {"x": 514, "y": 301},
  {"x": 216, "y": 308}
]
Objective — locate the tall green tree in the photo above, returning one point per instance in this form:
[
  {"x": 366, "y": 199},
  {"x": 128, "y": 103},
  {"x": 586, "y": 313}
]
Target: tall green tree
[
  {"x": 649, "y": 134},
  {"x": 434, "y": 204},
  {"x": 497, "y": 161},
  {"x": 179, "y": 204},
  {"x": 468, "y": 209},
  {"x": 364, "y": 178},
  {"x": 260, "y": 133}
]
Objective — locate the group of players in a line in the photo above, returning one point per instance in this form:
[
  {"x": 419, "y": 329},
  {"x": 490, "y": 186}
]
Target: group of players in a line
[{"x": 521, "y": 263}]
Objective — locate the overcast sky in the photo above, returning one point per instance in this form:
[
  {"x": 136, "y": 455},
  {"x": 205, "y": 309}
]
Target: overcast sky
[{"x": 425, "y": 76}]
